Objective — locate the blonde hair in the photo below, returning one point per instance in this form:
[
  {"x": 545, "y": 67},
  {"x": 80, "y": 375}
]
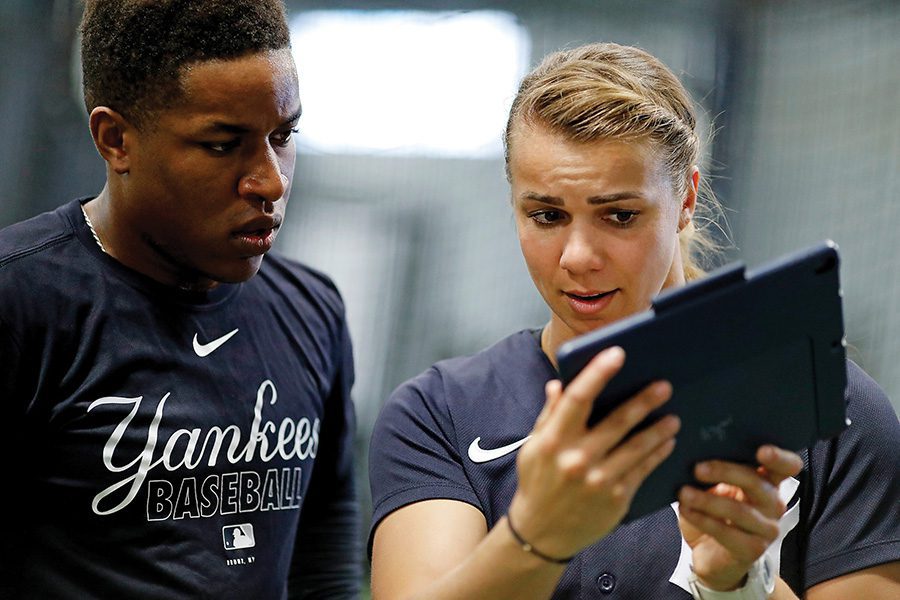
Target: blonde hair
[{"x": 608, "y": 91}]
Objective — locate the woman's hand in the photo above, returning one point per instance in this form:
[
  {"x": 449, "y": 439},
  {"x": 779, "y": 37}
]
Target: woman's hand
[
  {"x": 576, "y": 483},
  {"x": 730, "y": 525}
]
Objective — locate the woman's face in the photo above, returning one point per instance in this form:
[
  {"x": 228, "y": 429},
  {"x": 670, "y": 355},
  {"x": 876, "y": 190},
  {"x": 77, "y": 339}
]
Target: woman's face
[{"x": 598, "y": 225}]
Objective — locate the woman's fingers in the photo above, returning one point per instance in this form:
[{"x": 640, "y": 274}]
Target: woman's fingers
[
  {"x": 570, "y": 414},
  {"x": 731, "y": 524},
  {"x": 625, "y": 469},
  {"x": 777, "y": 464},
  {"x": 597, "y": 456},
  {"x": 624, "y": 459},
  {"x": 733, "y": 514},
  {"x": 608, "y": 433},
  {"x": 553, "y": 392},
  {"x": 744, "y": 547},
  {"x": 635, "y": 476},
  {"x": 568, "y": 465},
  {"x": 759, "y": 485},
  {"x": 758, "y": 489}
]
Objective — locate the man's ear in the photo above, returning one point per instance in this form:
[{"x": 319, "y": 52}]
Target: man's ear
[
  {"x": 689, "y": 202},
  {"x": 113, "y": 136}
]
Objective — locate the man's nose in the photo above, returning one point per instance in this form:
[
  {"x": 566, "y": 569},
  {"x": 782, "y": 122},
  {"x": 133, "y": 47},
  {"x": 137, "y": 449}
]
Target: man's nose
[{"x": 264, "y": 180}]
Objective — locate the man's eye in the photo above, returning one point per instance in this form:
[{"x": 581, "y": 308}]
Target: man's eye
[
  {"x": 546, "y": 217},
  {"x": 283, "y": 138},
  {"x": 221, "y": 147}
]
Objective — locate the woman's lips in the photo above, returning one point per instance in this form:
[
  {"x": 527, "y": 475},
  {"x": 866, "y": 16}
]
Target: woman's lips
[{"x": 589, "y": 303}]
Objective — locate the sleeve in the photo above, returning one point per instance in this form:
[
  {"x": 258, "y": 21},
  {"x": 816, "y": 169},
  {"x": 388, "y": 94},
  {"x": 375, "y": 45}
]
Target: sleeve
[
  {"x": 413, "y": 454},
  {"x": 327, "y": 559},
  {"x": 853, "y": 519}
]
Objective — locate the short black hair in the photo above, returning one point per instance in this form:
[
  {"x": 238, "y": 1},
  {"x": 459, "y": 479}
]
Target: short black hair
[{"x": 133, "y": 51}]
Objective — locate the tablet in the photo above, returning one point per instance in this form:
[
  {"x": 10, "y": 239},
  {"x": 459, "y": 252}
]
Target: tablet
[{"x": 754, "y": 358}]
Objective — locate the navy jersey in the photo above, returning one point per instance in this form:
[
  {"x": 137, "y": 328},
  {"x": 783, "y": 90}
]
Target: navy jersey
[
  {"x": 452, "y": 433},
  {"x": 162, "y": 443}
]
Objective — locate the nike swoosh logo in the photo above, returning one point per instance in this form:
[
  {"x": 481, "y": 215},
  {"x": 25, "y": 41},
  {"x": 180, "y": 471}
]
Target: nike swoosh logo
[
  {"x": 210, "y": 347},
  {"x": 477, "y": 454}
]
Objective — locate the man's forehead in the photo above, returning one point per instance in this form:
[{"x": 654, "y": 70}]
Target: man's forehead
[
  {"x": 224, "y": 123},
  {"x": 240, "y": 92}
]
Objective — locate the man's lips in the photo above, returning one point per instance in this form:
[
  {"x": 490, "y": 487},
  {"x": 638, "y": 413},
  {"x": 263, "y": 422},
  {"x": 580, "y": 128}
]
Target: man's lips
[
  {"x": 257, "y": 236},
  {"x": 258, "y": 226}
]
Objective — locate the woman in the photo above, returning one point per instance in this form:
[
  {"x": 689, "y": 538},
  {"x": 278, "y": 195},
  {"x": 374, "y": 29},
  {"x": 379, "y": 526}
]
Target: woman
[{"x": 602, "y": 151}]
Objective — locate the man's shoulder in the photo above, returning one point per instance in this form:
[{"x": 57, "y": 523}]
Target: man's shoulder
[
  {"x": 32, "y": 236},
  {"x": 299, "y": 293},
  {"x": 41, "y": 260},
  {"x": 281, "y": 273}
]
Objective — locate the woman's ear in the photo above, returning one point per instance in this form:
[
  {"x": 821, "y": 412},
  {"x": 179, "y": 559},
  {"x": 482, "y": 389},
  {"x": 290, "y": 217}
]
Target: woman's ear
[
  {"x": 112, "y": 134},
  {"x": 689, "y": 202}
]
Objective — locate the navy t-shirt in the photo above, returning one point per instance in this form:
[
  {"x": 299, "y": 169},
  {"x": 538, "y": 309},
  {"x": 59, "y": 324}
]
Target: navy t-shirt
[
  {"x": 159, "y": 443},
  {"x": 431, "y": 438}
]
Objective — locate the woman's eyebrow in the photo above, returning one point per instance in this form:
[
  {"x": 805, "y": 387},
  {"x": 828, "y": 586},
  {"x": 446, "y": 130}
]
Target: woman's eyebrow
[
  {"x": 606, "y": 198},
  {"x": 601, "y": 199}
]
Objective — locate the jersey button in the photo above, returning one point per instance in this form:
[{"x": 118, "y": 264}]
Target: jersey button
[{"x": 607, "y": 583}]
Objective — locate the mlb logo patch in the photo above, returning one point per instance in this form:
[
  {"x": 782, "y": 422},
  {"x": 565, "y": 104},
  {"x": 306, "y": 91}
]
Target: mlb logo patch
[{"x": 240, "y": 536}]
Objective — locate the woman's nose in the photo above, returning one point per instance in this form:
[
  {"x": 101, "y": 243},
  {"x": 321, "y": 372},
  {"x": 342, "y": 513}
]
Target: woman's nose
[{"x": 579, "y": 254}]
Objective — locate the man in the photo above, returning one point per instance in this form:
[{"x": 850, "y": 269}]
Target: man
[{"x": 177, "y": 414}]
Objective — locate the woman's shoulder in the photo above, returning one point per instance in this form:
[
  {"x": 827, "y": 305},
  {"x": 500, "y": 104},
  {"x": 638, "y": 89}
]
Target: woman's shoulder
[
  {"x": 862, "y": 388},
  {"x": 513, "y": 357},
  {"x": 872, "y": 420},
  {"x": 507, "y": 353},
  {"x": 851, "y": 505},
  {"x": 508, "y": 374},
  {"x": 872, "y": 432}
]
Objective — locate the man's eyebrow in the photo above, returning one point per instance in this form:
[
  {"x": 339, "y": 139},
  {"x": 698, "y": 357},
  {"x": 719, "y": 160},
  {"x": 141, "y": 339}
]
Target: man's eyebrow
[
  {"x": 601, "y": 199},
  {"x": 227, "y": 127},
  {"x": 294, "y": 117},
  {"x": 242, "y": 129}
]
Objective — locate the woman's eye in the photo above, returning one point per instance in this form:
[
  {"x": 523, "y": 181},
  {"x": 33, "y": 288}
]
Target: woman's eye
[
  {"x": 623, "y": 217},
  {"x": 282, "y": 138},
  {"x": 546, "y": 217}
]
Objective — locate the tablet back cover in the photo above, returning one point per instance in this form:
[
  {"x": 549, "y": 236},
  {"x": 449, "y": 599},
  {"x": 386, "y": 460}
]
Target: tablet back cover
[{"x": 753, "y": 358}]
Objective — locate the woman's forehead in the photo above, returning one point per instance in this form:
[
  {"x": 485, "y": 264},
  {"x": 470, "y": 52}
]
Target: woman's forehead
[{"x": 532, "y": 143}]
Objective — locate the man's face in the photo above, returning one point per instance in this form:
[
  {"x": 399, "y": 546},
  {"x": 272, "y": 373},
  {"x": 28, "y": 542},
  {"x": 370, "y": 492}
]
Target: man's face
[{"x": 208, "y": 180}]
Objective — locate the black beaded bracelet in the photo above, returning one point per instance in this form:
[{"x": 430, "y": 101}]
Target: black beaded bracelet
[{"x": 527, "y": 547}]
